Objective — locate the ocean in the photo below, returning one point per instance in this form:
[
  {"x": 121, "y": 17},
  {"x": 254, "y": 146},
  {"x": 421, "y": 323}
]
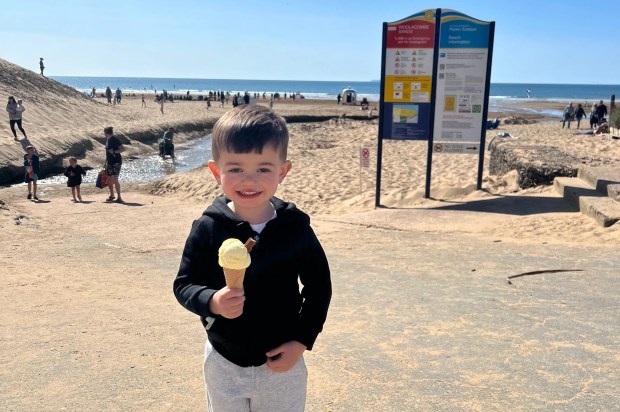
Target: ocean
[{"x": 328, "y": 90}]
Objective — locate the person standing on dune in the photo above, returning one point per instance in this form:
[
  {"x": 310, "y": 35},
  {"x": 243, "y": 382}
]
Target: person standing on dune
[{"x": 41, "y": 66}]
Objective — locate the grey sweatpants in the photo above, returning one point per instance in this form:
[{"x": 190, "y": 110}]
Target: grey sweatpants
[{"x": 232, "y": 388}]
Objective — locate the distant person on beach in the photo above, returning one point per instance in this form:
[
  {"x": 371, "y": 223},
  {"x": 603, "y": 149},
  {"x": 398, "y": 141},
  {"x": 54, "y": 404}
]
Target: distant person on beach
[
  {"x": 601, "y": 111},
  {"x": 569, "y": 112},
  {"x": 593, "y": 118},
  {"x": 339, "y": 98},
  {"x": 246, "y": 98},
  {"x": 161, "y": 103},
  {"x": 166, "y": 145},
  {"x": 74, "y": 173},
  {"x": 208, "y": 103},
  {"x": 118, "y": 95},
  {"x": 603, "y": 127},
  {"x": 258, "y": 329},
  {"x": 113, "y": 163},
  {"x": 579, "y": 114},
  {"x": 15, "y": 109},
  {"x": 94, "y": 92},
  {"x": 143, "y": 102},
  {"x": 529, "y": 93},
  {"x": 32, "y": 172},
  {"x": 41, "y": 66},
  {"x": 108, "y": 94},
  {"x": 222, "y": 99}
]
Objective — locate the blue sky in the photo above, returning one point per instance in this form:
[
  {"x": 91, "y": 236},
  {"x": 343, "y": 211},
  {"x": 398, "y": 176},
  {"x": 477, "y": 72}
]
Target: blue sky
[{"x": 535, "y": 41}]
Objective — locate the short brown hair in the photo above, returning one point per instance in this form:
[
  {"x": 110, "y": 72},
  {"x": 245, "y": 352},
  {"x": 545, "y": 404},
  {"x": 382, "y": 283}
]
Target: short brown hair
[
  {"x": 108, "y": 130},
  {"x": 248, "y": 129}
]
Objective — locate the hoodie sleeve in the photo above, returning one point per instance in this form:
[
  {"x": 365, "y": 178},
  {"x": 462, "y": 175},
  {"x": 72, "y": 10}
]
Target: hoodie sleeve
[
  {"x": 193, "y": 286},
  {"x": 316, "y": 292}
]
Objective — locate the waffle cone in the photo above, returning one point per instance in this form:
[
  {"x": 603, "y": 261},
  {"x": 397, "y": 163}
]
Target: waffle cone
[{"x": 234, "y": 277}]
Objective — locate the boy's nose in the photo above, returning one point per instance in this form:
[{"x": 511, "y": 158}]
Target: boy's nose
[{"x": 250, "y": 177}]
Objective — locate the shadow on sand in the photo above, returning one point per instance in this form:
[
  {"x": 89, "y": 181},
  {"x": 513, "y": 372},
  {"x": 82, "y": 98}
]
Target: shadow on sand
[
  {"x": 511, "y": 205},
  {"x": 125, "y": 203}
]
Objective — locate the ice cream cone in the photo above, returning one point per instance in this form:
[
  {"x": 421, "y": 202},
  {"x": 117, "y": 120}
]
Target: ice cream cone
[
  {"x": 234, "y": 258},
  {"x": 234, "y": 277}
]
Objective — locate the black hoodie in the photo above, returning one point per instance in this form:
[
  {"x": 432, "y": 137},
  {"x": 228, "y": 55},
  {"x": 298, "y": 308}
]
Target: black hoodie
[{"x": 287, "y": 255}]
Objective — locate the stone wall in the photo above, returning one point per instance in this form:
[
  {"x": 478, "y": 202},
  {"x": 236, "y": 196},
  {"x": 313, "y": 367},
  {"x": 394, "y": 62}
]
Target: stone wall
[{"x": 535, "y": 165}]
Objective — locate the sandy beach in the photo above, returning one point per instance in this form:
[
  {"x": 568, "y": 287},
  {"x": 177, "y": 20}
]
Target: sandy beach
[{"x": 422, "y": 317}]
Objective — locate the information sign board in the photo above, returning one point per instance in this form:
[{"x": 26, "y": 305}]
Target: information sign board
[{"x": 408, "y": 74}]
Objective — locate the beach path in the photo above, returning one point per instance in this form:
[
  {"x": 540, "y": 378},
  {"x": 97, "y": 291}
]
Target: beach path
[{"x": 422, "y": 317}]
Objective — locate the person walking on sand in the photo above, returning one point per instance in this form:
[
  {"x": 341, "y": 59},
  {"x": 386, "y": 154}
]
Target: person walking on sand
[
  {"x": 579, "y": 114},
  {"x": 569, "y": 112},
  {"x": 257, "y": 333},
  {"x": 31, "y": 164},
  {"x": 15, "y": 109},
  {"x": 143, "y": 102},
  {"x": 74, "y": 173},
  {"x": 41, "y": 66},
  {"x": 113, "y": 163},
  {"x": 601, "y": 112},
  {"x": 593, "y": 119},
  {"x": 108, "y": 94}
]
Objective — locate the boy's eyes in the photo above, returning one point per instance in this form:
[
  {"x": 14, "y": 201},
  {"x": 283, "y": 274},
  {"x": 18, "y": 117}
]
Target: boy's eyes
[{"x": 239, "y": 170}]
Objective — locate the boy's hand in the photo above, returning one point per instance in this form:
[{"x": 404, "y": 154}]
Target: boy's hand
[
  {"x": 285, "y": 356},
  {"x": 227, "y": 302}
]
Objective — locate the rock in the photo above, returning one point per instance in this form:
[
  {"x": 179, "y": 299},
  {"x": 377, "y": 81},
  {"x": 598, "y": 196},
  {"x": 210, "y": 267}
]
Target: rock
[{"x": 535, "y": 165}]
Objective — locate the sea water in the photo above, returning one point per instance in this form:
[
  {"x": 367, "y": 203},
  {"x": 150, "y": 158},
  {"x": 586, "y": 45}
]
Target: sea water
[{"x": 328, "y": 90}]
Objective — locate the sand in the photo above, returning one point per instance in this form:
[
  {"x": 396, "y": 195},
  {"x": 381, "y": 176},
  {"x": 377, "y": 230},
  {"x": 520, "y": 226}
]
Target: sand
[{"x": 90, "y": 321}]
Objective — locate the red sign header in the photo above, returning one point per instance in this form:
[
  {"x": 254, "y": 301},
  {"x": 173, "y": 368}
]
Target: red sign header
[{"x": 415, "y": 34}]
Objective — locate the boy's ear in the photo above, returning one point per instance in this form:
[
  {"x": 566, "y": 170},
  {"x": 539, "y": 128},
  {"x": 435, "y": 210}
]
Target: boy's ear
[
  {"x": 216, "y": 171},
  {"x": 286, "y": 167}
]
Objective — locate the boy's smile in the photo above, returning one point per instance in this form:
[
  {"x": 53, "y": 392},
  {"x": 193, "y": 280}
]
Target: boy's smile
[{"x": 249, "y": 180}]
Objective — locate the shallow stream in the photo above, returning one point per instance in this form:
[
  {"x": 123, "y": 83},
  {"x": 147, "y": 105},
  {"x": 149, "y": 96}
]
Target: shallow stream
[{"x": 149, "y": 168}]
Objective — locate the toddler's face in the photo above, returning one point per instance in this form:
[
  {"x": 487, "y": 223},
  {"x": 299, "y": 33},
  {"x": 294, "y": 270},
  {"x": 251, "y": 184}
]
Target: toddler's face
[
  {"x": 72, "y": 162},
  {"x": 250, "y": 179}
]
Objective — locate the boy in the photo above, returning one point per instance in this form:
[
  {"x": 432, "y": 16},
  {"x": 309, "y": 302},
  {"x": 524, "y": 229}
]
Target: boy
[
  {"x": 31, "y": 164},
  {"x": 256, "y": 335},
  {"x": 74, "y": 173}
]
